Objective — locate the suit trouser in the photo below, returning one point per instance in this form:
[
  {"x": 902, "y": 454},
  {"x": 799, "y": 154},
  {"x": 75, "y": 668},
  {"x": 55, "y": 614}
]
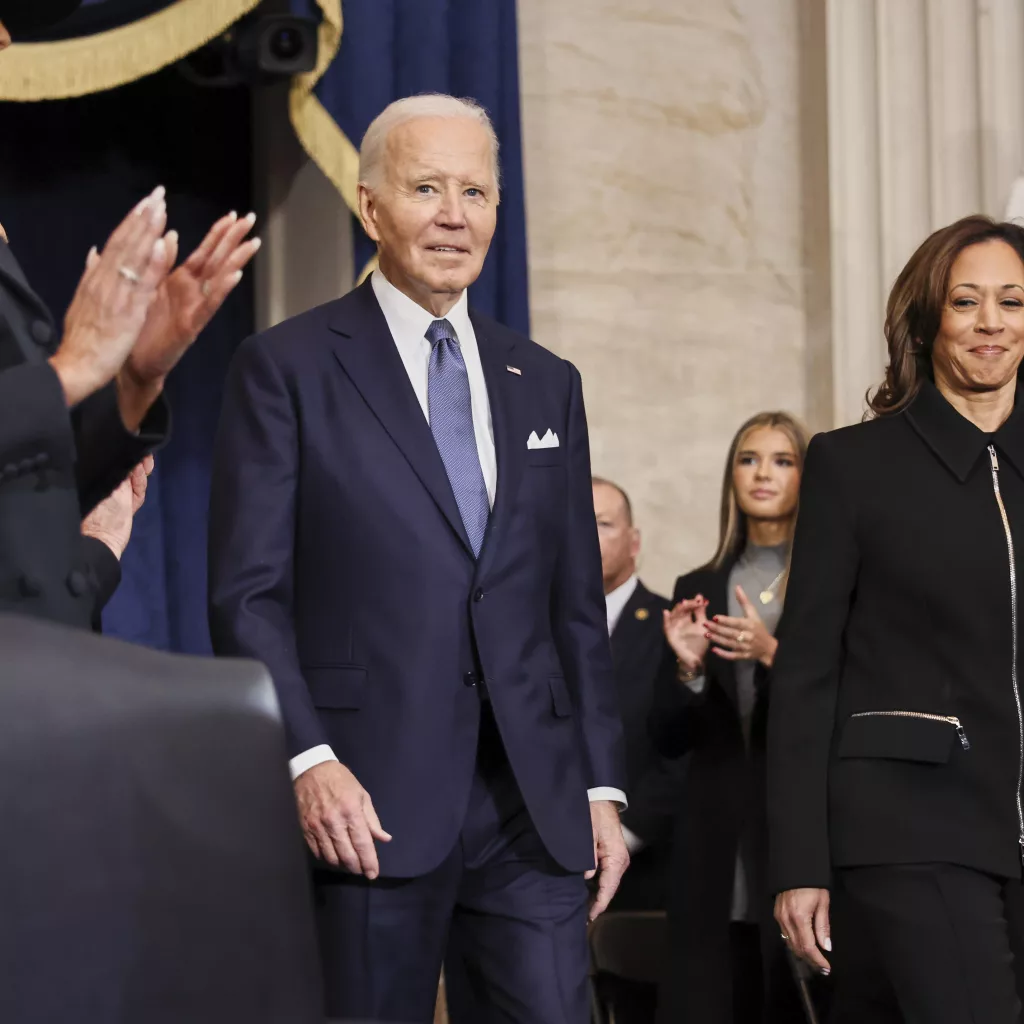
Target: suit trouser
[
  {"x": 512, "y": 921},
  {"x": 924, "y": 944}
]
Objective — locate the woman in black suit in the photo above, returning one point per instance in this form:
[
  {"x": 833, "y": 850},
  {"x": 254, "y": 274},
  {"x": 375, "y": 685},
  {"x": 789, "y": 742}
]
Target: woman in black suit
[
  {"x": 896, "y": 744},
  {"x": 725, "y": 965},
  {"x": 81, "y": 405}
]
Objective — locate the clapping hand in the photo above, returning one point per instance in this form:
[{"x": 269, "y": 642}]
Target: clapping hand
[
  {"x": 686, "y": 630},
  {"x": 742, "y": 639},
  {"x": 185, "y": 302},
  {"x": 111, "y": 520}
]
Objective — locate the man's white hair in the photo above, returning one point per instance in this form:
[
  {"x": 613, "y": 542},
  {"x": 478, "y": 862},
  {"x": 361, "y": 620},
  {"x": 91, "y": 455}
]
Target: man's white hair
[{"x": 371, "y": 153}]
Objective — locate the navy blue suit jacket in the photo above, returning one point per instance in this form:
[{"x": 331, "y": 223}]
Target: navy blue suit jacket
[{"x": 339, "y": 559}]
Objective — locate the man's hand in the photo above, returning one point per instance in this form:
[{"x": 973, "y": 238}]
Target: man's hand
[
  {"x": 185, "y": 303},
  {"x": 338, "y": 819},
  {"x": 610, "y": 854},
  {"x": 112, "y": 301},
  {"x": 802, "y": 915},
  {"x": 111, "y": 520}
]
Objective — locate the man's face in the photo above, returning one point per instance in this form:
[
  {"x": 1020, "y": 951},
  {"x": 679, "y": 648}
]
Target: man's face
[
  {"x": 434, "y": 211},
  {"x": 5, "y": 37},
  {"x": 620, "y": 541}
]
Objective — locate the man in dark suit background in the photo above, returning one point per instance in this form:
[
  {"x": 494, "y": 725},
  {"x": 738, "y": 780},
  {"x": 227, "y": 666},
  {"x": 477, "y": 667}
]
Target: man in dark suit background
[
  {"x": 635, "y": 628},
  {"x": 402, "y": 530}
]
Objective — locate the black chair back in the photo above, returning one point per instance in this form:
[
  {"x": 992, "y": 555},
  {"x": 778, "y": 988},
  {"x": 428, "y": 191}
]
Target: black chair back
[{"x": 151, "y": 866}]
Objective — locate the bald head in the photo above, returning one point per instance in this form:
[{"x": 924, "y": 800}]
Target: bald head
[{"x": 619, "y": 538}]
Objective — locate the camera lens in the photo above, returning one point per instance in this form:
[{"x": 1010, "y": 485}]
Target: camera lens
[{"x": 286, "y": 44}]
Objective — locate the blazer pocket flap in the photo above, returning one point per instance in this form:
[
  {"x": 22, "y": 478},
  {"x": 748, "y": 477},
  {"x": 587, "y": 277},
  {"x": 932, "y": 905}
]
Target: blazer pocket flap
[
  {"x": 336, "y": 686},
  {"x": 898, "y": 737},
  {"x": 561, "y": 701}
]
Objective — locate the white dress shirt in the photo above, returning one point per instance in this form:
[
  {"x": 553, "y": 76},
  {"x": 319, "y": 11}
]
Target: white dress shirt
[
  {"x": 616, "y": 601},
  {"x": 408, "y": 322}
]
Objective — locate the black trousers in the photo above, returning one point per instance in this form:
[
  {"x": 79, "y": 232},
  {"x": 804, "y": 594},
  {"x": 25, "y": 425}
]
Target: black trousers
[{"x": 923, "y": 944}]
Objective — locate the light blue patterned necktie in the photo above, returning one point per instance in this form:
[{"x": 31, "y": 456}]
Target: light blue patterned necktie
[{"x": 451, "y": 422}]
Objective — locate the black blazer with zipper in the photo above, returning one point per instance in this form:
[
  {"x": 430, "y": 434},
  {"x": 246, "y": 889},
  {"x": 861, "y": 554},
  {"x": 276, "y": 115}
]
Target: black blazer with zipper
[
  {"x": 895, "y": 729},
  {"x": 55, "y": 467}
]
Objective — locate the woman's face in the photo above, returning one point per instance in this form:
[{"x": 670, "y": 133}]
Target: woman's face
[
  {"x": 980, "y": 342},
  {"x": 765, "y": 474}
]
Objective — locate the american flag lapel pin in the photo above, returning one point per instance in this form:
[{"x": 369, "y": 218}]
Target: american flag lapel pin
[{"x": 515, "y": 370}]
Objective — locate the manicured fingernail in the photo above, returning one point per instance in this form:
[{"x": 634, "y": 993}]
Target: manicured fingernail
[
  {"x": 827, "y": 945},
  {"x": 159, "y": 192},
  {"x": 93, "y": 256},
  {"x": 159, "y": 249},
  {"x": 825, "y": 972},
  {"x": 172, "y": 237},
  {"x": 251, "y": 218},
  {"x": 233, "y": 215},
  {"x": 236, "y": 277},
  {"x": 256, "y": 243}
]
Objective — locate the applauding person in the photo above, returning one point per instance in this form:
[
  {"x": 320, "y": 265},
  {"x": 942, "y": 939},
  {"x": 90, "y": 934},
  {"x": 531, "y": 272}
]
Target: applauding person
[
  {"x": 710, "y": 703},
  {"x": 80, "y": 407}
]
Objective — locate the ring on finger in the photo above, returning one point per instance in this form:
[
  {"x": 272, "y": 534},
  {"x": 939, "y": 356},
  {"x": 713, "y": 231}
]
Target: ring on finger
[
  {"x": 784, "y": 936},
  {"x": 129, "y": 275},
  {"x": 742, "y": 637},
  {"x": 205, "y": 289}
]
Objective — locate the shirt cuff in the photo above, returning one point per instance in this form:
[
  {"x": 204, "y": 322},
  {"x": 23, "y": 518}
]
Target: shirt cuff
[
  {"x": 634, "y": 844},
  {"x": 310, "y": 759},
  {"x": 608, "y": 793},
  {"x": 697, "y": 685}
]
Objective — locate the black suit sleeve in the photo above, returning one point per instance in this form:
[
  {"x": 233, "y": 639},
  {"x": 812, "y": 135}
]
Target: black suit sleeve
[
  {"x": 676, "y": 722},
  {"x": 654, "y": 800},
  {"x": 104, "y": 570},
  {"x": 106, "y": 451},
  {"x": 34, "y": 422},
  {"x": 805, "y": 676}
]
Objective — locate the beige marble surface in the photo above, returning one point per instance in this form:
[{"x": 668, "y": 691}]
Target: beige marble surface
[{"x": 663, "y": 166}]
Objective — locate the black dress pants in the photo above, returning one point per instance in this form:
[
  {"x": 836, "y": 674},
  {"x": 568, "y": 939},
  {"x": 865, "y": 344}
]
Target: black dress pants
[{"x": 923, "y": 944}]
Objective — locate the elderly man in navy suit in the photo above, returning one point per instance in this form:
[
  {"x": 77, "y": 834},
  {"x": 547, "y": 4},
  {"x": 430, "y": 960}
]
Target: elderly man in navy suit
[{"x": 402, "y": 529}]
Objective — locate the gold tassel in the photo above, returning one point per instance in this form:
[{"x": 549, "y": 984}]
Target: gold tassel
[
  {"x": 77, "y": 67},
  {"x": 321, "y": 136}
]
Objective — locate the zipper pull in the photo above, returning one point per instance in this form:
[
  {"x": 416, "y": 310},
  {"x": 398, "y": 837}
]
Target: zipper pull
[
  {"x": 992, "y": 456},
  {"x": 966, "y": 744}
]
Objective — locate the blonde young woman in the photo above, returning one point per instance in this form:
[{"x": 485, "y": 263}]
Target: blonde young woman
[{"x": 728, "y": 962}]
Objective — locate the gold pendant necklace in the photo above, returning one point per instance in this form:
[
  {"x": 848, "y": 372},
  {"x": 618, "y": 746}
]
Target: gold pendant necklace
[{"x": 768, "y": 594}]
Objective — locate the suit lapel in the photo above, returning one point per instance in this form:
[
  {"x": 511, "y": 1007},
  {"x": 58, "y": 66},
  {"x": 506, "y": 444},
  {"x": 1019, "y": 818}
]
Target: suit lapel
[
  {"x": 367, "y": 353},
  {"x": 504, "y": 393},
  {"x": 14, "y": 284}
]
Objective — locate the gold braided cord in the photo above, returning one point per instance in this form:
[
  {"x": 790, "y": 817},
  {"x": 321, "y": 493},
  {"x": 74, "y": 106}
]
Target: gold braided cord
[
  {"x": 321, "y": 137},
  {"x": 88, "y": 64}
]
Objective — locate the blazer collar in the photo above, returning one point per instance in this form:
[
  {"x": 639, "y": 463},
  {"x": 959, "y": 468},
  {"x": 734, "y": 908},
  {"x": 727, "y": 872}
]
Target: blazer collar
[{"x": 956, "y": 440}]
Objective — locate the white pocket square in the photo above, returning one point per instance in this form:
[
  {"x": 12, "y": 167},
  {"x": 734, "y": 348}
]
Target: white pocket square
[{"x": 549, "y": 440}]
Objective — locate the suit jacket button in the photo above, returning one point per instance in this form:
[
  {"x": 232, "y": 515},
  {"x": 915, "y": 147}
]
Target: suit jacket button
[
  {"x": 469, "y": 679},
  {"x": 478, "y": 594},
  {"x": 29, "y": 586},
  {"x": 42, "y": 332},
  {"x": 77, "y": 583}
]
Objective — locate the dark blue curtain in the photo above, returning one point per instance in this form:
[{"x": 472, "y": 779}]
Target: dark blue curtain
[
  {"x": 68, "y": 172},
  {"x": 395, "y": 48}
]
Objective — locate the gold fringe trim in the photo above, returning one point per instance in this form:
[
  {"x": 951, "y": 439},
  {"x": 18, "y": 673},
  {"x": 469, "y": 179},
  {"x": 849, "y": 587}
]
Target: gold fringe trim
[
  {"x": 321, "y": 137},
  {"x": 76, "y": 67}
]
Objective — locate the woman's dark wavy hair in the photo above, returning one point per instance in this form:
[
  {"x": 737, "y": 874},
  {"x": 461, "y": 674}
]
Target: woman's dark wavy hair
[{"x": 915, "y": 306}]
